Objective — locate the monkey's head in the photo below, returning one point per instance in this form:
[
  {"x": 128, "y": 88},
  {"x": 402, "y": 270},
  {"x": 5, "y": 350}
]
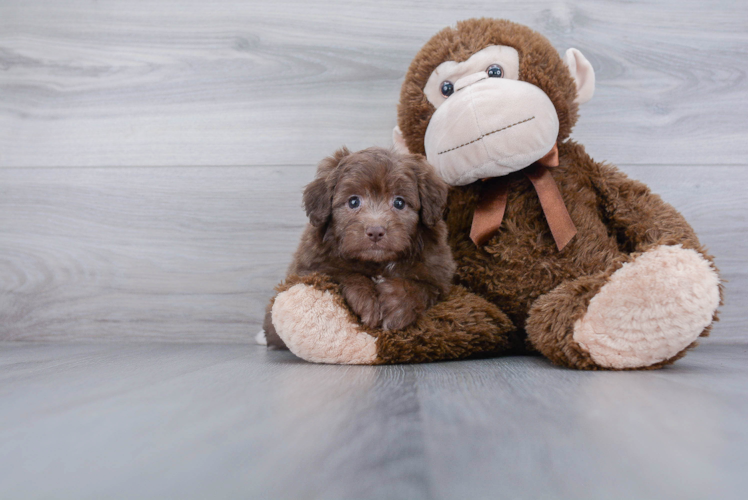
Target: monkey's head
[{"x": 489, "y": 97}]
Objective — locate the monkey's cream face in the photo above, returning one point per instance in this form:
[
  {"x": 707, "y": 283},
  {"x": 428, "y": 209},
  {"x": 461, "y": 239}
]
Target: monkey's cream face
[{"x": 487, "y": 122}]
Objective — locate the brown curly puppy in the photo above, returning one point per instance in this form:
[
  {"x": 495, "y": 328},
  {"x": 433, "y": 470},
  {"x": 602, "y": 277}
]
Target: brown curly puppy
[{"x": 376, "y": 229}]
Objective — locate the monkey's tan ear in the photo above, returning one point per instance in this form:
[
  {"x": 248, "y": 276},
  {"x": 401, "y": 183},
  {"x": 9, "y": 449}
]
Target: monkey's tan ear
[
  {"x": 583, "y": 74},
  {"x": 398, "y": 143}
]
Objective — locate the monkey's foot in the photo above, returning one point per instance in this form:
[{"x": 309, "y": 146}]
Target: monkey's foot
[
  {"x": 650, "y": 310},
  {"x": 316, "y": 327}
]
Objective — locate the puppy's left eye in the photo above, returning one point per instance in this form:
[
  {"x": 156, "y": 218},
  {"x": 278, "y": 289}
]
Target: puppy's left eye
[
  {"x": 354, "y": 202},
  {"x": 399, "y": 203}
]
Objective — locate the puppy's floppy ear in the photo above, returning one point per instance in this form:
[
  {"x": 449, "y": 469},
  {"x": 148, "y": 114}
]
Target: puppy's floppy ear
[
  {"x": 318, "y": 193},
  {"x": 432, "y": 191}
]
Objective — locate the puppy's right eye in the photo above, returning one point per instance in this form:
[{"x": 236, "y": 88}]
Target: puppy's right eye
[
  {"x": 354, "y": 202},
  {"x": 447, "y": 89}
]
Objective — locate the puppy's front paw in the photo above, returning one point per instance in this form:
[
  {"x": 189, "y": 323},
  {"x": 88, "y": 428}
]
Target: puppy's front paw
[
  {"x": 364, "y": 302},
  {"x": 370, "y": 315},
  {"x": 399, "y": 303}
]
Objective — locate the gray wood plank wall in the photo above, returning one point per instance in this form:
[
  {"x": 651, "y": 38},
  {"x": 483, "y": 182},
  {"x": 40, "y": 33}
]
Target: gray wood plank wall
[{"x": 152, "y": 154}]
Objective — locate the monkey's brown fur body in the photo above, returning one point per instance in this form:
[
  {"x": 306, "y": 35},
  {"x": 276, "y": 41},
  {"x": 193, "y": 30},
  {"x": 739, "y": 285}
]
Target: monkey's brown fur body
[
  {"x": 518, "y": 292},
  {"x": 616, "y": 218}
]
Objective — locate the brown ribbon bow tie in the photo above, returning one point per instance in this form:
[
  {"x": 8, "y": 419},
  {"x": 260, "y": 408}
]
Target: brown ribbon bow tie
[{"x": 490, "y": 210}]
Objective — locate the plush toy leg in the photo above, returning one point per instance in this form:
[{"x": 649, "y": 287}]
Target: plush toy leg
[
  {"x": 313, "y": 320},
  {"x": 643, "y": 315},
  {"x": 462, "y": 326}
]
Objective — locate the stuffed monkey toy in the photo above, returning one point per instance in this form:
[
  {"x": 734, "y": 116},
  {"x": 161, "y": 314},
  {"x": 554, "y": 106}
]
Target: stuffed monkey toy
[{"x": 556, "y": 254}]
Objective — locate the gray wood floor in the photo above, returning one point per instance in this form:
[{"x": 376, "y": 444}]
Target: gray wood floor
[
  {"x": 235, "y": 421},
  {"x": 152, "y": 156}
]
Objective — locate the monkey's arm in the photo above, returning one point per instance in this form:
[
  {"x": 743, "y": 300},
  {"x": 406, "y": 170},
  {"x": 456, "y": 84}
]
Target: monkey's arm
[
  {"x": 640, "y": 219},
  {"x": 651, "y": 229}
]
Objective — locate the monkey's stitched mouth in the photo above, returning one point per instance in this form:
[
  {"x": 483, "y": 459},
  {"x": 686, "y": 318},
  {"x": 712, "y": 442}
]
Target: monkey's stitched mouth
[{"x": 485, "y": 135}]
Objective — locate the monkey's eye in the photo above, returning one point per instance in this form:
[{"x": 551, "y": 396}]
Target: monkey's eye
[
  {"x": 399, "y": 203},
  {"x": 495, "y": 71},
  {"x": 447, "y": 89},
  {"x": 354, "y": 202}
]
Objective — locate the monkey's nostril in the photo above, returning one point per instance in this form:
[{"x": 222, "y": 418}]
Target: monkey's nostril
[{"x": 375, "y": 233}]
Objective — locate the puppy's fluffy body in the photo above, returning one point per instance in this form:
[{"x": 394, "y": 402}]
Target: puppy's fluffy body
[{"x": 376, "y": 228}]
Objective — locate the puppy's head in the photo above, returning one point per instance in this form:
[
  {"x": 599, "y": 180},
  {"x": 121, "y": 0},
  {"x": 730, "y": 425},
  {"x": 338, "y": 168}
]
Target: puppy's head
[{"x": 375, "y": 203}]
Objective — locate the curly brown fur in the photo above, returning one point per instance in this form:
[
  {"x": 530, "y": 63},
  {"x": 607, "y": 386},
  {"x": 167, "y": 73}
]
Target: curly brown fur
[
  {"x": 616, "y": 217},
  {"x": 461, "y": 326},
  {"x": 376, "y": 229},
  {"x": 551, "y": 319}
]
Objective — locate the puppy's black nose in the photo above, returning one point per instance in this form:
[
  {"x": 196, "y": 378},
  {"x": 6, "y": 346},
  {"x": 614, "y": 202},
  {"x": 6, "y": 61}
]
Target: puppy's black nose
[{"x": 375, "y": 233}]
